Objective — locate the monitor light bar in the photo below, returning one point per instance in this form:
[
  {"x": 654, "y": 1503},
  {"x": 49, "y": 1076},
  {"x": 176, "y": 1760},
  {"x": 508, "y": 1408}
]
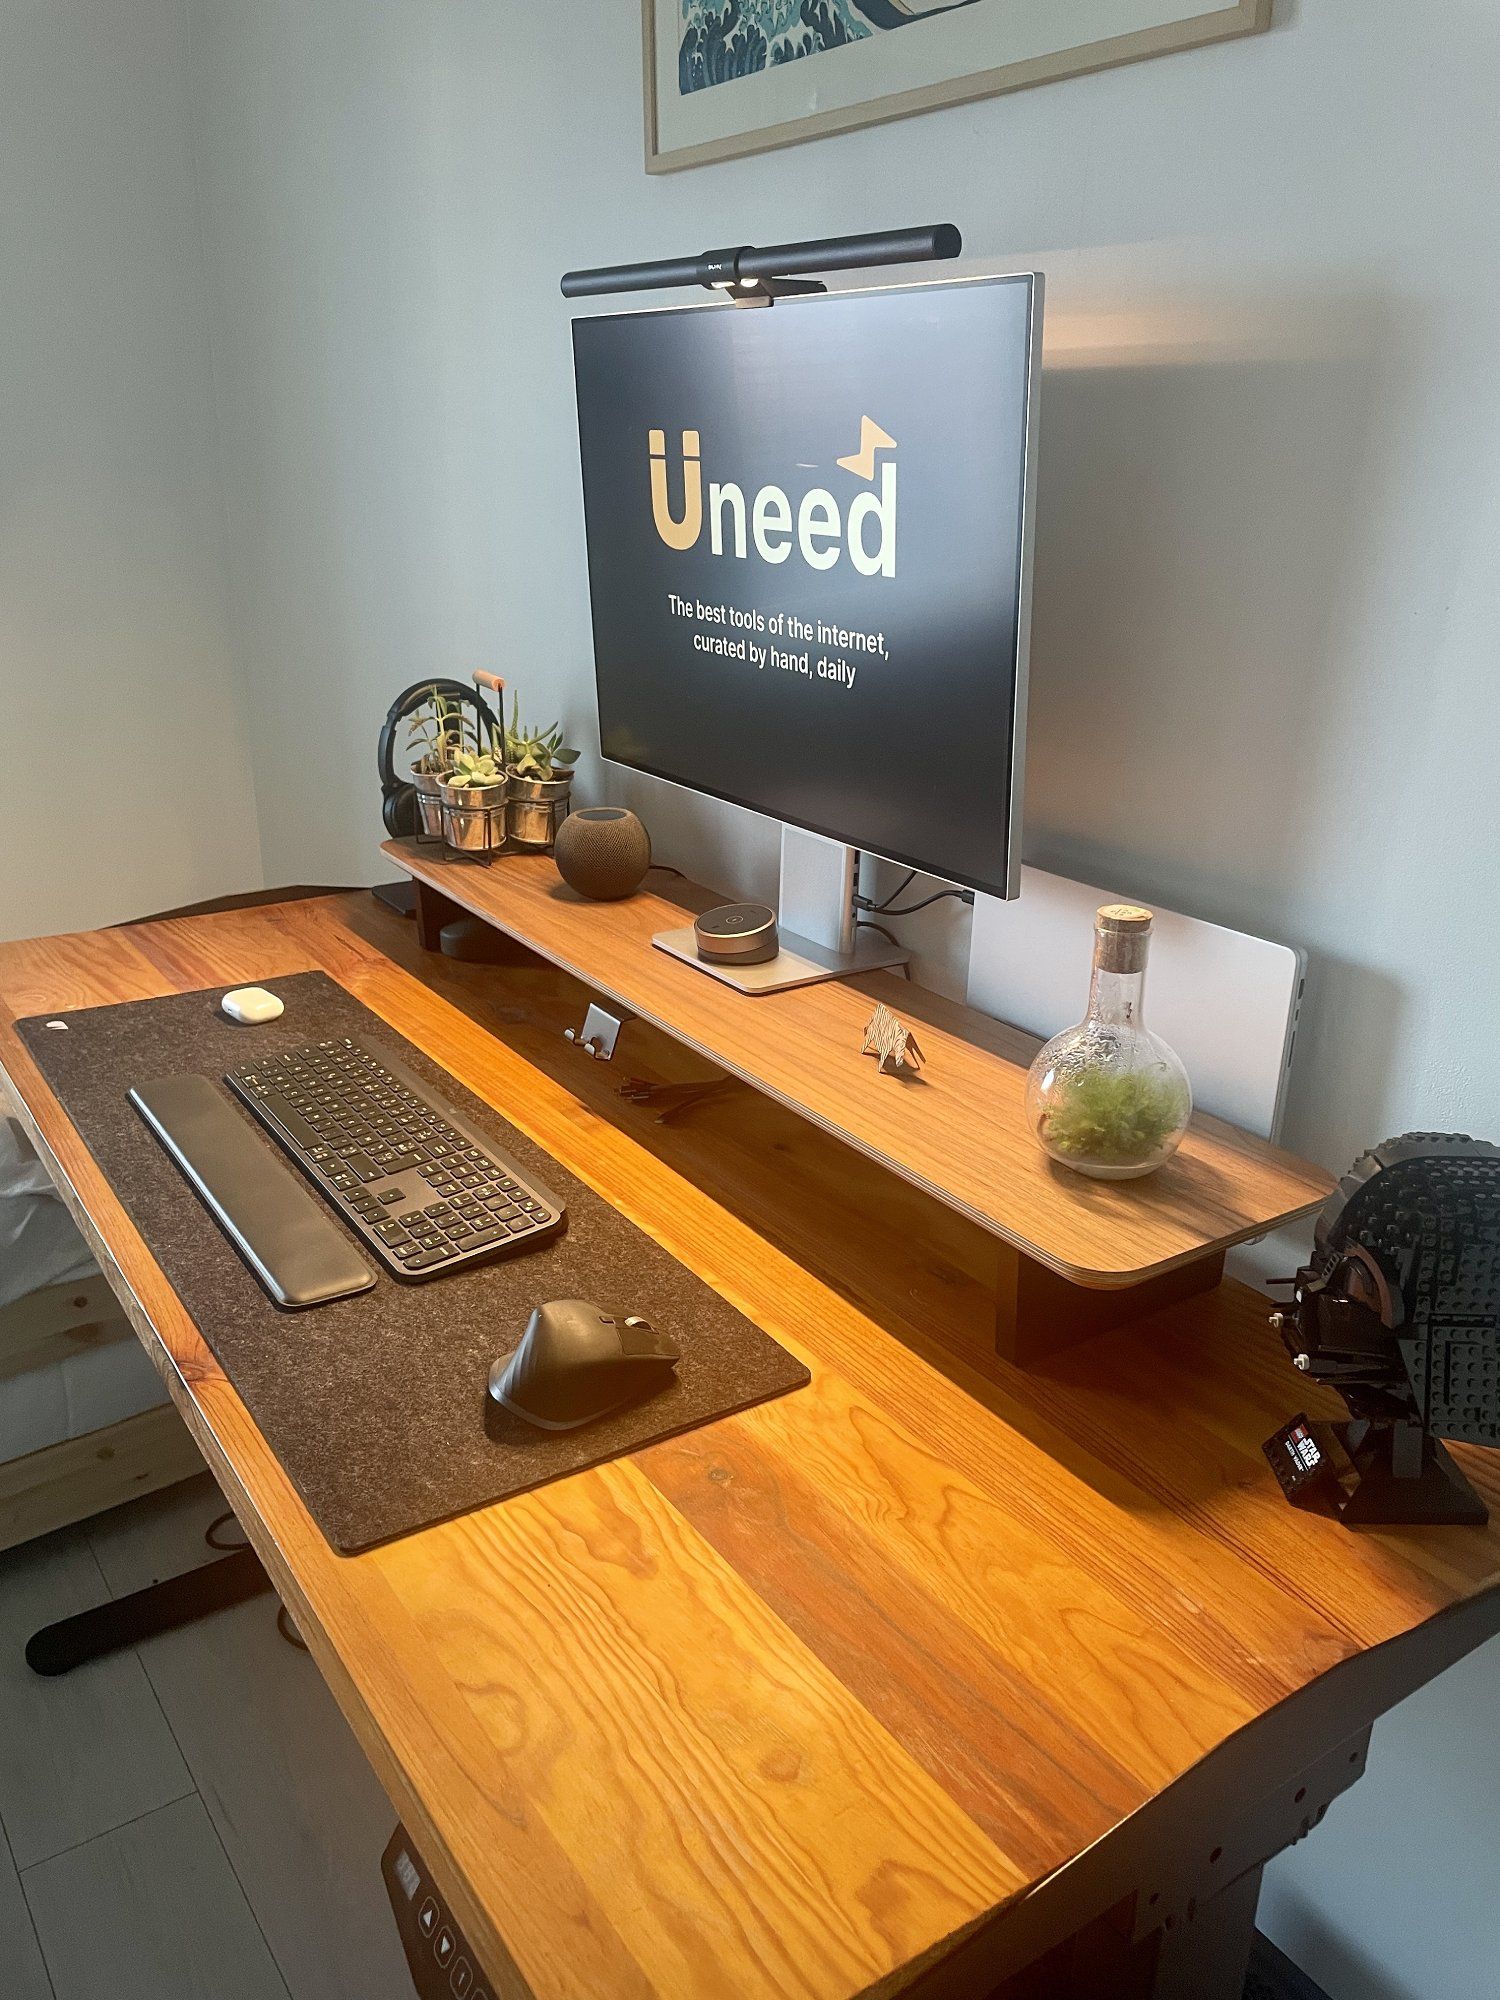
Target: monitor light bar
[{"x": 748, "y": 271}]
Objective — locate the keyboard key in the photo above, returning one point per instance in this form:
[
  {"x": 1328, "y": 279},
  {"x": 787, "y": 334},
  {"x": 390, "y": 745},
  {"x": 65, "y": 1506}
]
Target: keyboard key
[
  {"x": 428, "y": 1258},
  {"x": 482, "y": 1236},
  {"x": 391, "y": 1232},
  {"x": 298, "y": 1129},
  {"x": 411, "y": 1220}
]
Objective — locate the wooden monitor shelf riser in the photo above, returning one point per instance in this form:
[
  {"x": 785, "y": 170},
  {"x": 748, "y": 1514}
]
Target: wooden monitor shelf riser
[{"x": 1079, "y": 1256}]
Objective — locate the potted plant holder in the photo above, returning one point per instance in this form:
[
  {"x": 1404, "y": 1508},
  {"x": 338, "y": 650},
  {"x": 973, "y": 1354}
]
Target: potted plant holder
[
  {"x": 539, "y": 768},
  {"x": 428, "y": 786},
  {"x": 439, "y": 731},
  {"x": 473, "y": 801},
  {"x": 536, "y": 808}
]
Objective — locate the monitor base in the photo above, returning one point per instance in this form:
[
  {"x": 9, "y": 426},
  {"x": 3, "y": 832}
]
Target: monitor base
[{"x": 799, "y": 962}]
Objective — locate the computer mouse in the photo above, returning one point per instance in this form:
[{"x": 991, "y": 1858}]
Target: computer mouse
[
  {"x": 252, "y": 1005},
  {"x": 577, "y": 1362}
]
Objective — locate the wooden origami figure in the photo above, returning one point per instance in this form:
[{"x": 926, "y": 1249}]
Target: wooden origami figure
[{"x": 889, "y": 1038}]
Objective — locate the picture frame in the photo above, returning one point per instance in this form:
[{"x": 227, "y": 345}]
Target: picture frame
[{"x": 949, "y": 52}]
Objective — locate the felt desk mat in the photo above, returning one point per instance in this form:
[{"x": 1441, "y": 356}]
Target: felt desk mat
[{"x": 375, "y": 1405}]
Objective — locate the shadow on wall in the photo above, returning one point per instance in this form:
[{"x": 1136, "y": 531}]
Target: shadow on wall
[
  {"x": 1209, "y": 486},
  {"x": 1308, "y": 1938}
]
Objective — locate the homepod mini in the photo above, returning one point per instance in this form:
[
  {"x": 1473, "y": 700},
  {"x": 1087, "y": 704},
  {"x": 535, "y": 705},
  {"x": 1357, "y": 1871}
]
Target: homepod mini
[{"x": 603, "y": 852}]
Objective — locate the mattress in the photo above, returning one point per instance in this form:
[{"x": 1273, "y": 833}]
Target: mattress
[{"x": 41, "y": 1246}]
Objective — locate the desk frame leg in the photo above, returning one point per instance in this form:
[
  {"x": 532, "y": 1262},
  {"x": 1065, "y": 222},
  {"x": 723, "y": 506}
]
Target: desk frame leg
[
  {"x": 1037, "y": 1313},
  {"x": 160, "y": 1607},
  {"x": 1184, "y": 1928},
  {"x": 1207, "y": 1957}
]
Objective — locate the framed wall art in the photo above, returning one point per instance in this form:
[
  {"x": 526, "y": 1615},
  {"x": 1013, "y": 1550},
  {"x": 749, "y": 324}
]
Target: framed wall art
[{"x": 724, "y": 77}]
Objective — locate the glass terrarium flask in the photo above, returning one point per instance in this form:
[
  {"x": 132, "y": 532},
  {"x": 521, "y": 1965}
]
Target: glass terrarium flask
[{"x": 1108, "y": 1098}]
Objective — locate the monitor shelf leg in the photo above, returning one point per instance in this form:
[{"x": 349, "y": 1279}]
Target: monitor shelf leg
[
  {"x": 1037, "y": 1313},
  {"x": 433, "y": 911}
]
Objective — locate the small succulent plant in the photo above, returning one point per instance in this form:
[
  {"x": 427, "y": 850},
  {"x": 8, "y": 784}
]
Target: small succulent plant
[
  {"x": 474, "y": 769},
  {"x": 437, "y": 732},
  {"x": 535, "y": 753}
]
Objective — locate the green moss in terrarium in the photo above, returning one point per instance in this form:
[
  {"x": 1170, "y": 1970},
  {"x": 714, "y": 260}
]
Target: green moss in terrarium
[{"x": 1116, "y": 1117}]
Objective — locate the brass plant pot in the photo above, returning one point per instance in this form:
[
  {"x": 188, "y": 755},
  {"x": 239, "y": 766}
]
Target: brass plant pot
[
  {"x": 429, "y": 790},
  {"x": 536, "y": 808},
  {"x": 474, "y": 818}
]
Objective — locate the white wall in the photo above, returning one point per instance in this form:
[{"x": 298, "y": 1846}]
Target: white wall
[
  {"x": 1268, "y": 605},
  {"x": 127, "y": 783}
]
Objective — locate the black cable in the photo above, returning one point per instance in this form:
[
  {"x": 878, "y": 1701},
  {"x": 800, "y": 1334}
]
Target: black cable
[
  {"x": 213, "y": 1535},
  {"x": 288, "y": 1630},
  {"x": 940, "y": 896},
  {"x": 864, "y": 924},
  {"x": 899, "y": 890}
]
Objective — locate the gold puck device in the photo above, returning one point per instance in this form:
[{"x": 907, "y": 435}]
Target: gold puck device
[{"x": 737, "y": 934}]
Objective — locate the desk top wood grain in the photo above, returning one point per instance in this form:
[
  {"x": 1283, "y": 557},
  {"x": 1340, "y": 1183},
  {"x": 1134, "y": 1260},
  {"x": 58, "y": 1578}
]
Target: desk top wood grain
[
  {"x": 785, "y": 1708},
  {"x": 958, "y": 1132}
]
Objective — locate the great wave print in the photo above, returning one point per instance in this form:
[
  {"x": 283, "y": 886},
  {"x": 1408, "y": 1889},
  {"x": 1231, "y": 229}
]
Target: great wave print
[{"x": 723, "y": 39}]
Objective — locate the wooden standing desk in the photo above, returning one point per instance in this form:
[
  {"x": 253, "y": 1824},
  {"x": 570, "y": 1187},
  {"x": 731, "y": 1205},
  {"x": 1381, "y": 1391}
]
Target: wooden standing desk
[{"x": 931, "y": 1672}]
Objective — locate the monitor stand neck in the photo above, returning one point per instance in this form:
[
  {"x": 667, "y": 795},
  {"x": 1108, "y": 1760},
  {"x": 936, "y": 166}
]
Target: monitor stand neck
[
  {"x": 820, "y": 938},
  {"x": 818, "y": 881}
]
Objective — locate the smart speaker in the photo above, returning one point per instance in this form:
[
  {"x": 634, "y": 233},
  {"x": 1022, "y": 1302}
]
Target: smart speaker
[{"x": 603, "y": 852}]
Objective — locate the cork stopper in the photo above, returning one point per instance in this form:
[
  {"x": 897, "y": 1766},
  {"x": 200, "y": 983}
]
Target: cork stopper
[{"x": 1122, "y": 937}]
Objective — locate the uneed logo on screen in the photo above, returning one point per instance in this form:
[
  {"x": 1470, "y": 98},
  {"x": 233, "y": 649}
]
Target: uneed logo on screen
[{"x": 817, "y": 528}]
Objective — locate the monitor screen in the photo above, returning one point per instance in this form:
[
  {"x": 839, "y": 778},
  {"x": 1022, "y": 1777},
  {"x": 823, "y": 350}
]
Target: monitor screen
[{"x": 808, "y": 545}]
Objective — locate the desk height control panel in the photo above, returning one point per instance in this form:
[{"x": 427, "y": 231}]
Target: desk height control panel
[{"x": 442, "y": 1965}]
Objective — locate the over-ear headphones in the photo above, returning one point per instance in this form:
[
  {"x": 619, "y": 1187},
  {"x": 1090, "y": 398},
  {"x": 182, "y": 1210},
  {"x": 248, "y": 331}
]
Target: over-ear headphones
[{"x": 397, "y": 794}]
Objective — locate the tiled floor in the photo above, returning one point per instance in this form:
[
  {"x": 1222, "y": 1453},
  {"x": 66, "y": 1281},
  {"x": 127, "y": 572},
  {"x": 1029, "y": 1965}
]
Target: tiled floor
[{"x": 189, "y": 1821}]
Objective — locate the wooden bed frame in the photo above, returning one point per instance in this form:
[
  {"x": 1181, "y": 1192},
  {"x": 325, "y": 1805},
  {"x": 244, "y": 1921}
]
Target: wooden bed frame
[{"x": 81, "y": 1476}]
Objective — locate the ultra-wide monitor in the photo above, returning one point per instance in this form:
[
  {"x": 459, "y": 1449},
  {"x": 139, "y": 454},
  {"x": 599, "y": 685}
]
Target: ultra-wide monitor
[{"x": 809, "y": 551}]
